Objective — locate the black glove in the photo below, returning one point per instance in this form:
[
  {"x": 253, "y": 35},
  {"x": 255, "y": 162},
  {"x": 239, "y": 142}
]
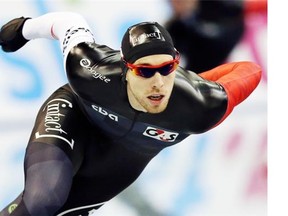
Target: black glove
[{"x": 11, "y": 38}]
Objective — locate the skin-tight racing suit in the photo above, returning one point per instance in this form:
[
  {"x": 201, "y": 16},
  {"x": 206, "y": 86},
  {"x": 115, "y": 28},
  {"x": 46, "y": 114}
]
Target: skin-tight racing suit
[{"x": 88, "y": 143}]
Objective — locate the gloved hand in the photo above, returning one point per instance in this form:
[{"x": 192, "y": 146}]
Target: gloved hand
[{"x": 11, "y": 38}]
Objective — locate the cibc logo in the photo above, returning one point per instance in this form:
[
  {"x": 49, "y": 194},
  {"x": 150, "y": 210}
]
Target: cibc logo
[
  {"x": 105, "y": 113},
  {"x": 159, "y": 134}
]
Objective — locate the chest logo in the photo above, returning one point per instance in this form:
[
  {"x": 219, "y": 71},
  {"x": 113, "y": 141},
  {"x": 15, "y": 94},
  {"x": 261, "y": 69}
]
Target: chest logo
[
  {"x": 105, "y": 113},
  {"x": 160, "y": 134}
]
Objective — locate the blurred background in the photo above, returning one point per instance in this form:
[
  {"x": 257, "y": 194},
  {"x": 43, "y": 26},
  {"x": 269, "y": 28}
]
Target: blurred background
[{"x": 219, "y": 173}]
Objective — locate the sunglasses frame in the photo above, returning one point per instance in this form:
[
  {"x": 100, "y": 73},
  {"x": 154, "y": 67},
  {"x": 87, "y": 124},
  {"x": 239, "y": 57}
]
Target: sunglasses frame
[{"x": 135, "y": 68}]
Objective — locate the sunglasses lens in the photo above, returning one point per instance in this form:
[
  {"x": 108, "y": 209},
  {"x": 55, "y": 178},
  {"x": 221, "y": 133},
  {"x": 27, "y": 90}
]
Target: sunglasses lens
[
  {"x": 166, "y": 69},
  {"x": 146, "y": 72}
]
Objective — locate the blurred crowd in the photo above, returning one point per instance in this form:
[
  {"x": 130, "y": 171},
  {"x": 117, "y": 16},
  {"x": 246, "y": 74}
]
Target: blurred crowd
[{"x": 206, "y": 32}]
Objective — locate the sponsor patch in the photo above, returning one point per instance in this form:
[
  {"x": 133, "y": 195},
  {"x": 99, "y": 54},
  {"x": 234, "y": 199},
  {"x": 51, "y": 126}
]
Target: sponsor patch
[
  {"x": 52, "y": 124},
  {"x": 160, "y": 134}
]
